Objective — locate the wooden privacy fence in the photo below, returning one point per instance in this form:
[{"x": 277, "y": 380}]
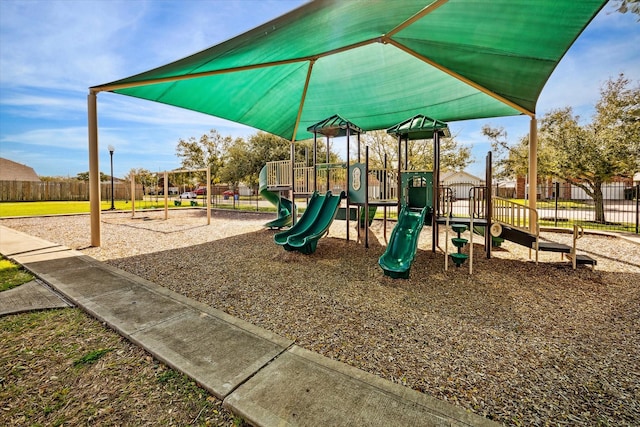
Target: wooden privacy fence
[{"x": 33, "y": 191}]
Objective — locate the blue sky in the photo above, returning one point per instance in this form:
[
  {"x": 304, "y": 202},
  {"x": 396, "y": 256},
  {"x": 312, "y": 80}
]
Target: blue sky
[{"x": 52, "y": 51}]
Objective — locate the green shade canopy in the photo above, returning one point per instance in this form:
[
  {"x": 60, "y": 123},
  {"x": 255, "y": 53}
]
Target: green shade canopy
[
  {"x": 375, "y": 62},
  {"x": 419, "y": 127}
]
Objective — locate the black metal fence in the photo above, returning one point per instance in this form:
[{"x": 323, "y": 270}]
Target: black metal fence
[{"x": 562, "y": 205}]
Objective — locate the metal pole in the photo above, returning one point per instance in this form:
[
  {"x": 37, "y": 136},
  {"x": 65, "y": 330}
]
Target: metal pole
[
  {"x": 557, "y": 190},
  {"x": 436, "y": 191},
  {"x": 111, "y": 150},
  {"x": 208, "y": 195},
  {"x": 133, "y": 194},
  {"x": 637, "y": 206},
  {"x": 399, "y": 188},
  {"x": 327, "y": 165},
  {"x": 366, "y": 198},
  {"x": 346, "y": 215},
  {"x": 293, "y": 183},
  {"x": 166, "y": 195},
  {"x": 315, "y": 162},
  {"x": 385, "y": 197},
  {"x": 488, "y": 239},
  {"x": 406, "y": 154},
  {"x": 533, "y": 168}
]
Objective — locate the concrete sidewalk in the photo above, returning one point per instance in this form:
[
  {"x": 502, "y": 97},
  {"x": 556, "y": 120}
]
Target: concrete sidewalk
[
  {"x": 262, "y": 377},
  {"x": 31, "y": 296}
]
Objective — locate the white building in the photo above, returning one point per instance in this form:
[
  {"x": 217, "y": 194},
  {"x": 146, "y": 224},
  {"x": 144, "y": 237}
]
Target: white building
[{"x": 461, "y": 183}]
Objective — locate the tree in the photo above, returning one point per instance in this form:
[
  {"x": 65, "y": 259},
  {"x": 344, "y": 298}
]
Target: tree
[
  {"x": 624, "y": 6},
  {"x": 237, "y": 164},
  {"x": 205, "y": 152},
  {"x": 143, "y": 177},
  {"x": 586, "y": 155},
  {"x": 84, "y": 176},
  {"x": 453, "y": 156},
  {"x": 245, "y": 159},
  {"x": 608, "y": 147}
]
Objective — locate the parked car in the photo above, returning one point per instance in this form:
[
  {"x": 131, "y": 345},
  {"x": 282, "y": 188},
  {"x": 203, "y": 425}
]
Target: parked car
[
  {"x": 228, "y": 193},
  {"x": 188, "y": 195},
  {"x": 201, "y": 191}
]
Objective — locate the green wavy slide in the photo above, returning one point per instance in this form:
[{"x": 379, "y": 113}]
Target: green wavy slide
[
  {"x": 403, "y": 244},
  {"x": 284, "y": 205}
]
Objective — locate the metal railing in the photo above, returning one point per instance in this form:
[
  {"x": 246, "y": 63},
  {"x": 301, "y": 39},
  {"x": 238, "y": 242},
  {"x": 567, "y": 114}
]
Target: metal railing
[
  {"x": 279, "y": 173},
  {"x": 331, "y": 176},
  {"x": 445, "y": 205},
  {"x": 304, "y": 179},
  {"x": 383, "y": 185},
  {"x": 478, "y": 202},
  {"x": 515, "y": 215}
]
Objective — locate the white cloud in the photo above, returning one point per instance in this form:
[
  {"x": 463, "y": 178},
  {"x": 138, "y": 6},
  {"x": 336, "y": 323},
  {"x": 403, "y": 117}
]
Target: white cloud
[
  {"x": 71, "y": 42},
  {"x": 67, "y": 138}
]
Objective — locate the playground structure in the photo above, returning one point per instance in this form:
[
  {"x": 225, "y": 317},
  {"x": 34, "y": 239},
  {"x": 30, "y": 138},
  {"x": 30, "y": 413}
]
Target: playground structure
[
  {"x": 363, "y": 190},
  {"x": 166, "y": 192},
  {"x": 418, "y": 196}
]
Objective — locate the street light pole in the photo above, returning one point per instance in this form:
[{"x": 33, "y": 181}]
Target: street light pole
[{"x": 111, "y": 150}]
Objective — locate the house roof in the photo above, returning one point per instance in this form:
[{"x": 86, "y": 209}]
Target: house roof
[
  {"x": 12, "y": 171},
  {"x": 459, "y": 177}
]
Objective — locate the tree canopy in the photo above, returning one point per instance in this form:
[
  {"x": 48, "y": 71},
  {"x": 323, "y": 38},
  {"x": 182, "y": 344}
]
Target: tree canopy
[
  {"x": 453, "y": 155},
  {"x": 204, "y": 152},
  {"x": 238, "y": 160},
  {"x": 587, "y": 155},
  {"x": 624, "y": 6}
]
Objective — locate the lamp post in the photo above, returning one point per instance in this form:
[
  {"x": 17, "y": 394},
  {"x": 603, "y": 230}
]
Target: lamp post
[{"x": 111, "y": 150}]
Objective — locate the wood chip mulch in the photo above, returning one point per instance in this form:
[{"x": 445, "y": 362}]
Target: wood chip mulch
[{"x": 520, "y": 343}]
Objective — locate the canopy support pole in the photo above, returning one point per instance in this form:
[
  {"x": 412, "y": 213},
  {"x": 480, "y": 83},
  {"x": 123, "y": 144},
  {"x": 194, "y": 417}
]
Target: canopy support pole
[
  {"x": 293, "y": 144},
  {"x": 436, "y": 192},
  {"x": 399, "y": 177},
  {"x": 94, "y": 169},
  {"x": 347, "y": 200},
  {"x": 533, "y": 168},
  {"x": 208, "y": 195}
]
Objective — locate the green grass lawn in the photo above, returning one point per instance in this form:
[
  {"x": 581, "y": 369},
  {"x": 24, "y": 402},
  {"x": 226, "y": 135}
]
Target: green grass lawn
[
  {"x": 9, "y": 209},
  {"x": 562, "y": 204},
  {"x": 12, "y": 275},
  {"x": 52, "y": 208}
]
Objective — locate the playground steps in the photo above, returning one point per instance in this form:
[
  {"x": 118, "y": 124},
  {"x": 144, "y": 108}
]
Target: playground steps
[
  {"x": 553, "y": 247},
  {"x": 583, "y": 260},
  {"x": 527, "y": 239},
  {"x": 518, "y": 236}
]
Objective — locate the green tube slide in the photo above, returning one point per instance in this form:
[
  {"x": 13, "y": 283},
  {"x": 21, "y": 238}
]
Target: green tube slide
[
  {"x": 285, "y": 207},
  {"x": 397, "y": 259},
  {"x": 314, "y": 223}
]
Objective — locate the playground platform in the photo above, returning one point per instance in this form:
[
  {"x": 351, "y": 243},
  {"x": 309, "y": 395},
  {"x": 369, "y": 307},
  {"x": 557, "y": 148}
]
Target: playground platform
[{"x": 262, "y": 377}]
